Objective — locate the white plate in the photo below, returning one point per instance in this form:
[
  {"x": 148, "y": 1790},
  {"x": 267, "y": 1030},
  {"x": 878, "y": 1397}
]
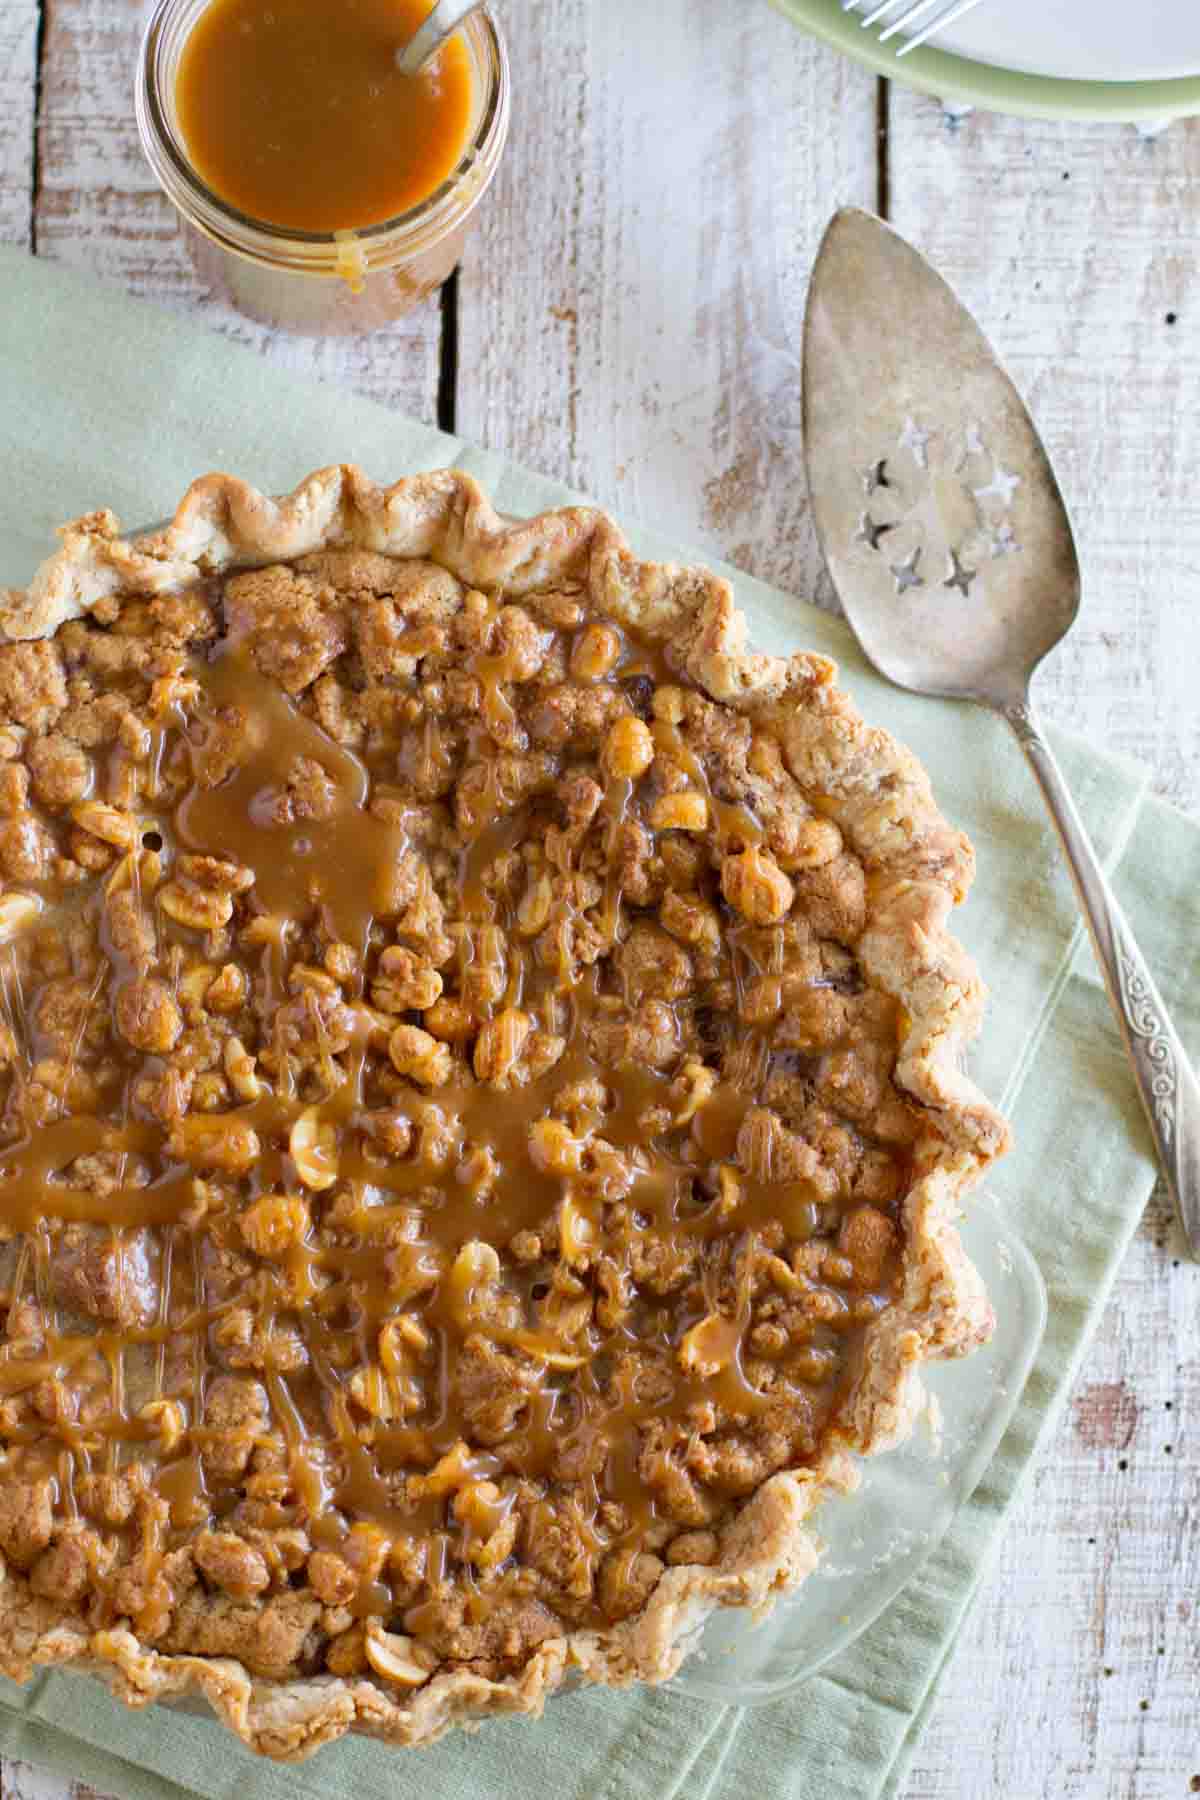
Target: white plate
[
  {"x": 1050, "y": 59},
  {"x": 1082, "y": 40}
]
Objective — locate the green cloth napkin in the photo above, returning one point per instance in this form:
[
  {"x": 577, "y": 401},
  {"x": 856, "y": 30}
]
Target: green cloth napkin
[{"x": 106, "y": 402}]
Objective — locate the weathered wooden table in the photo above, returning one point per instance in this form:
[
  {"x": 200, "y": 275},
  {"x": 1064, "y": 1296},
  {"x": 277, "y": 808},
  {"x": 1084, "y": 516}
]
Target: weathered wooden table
[{"x": 628, "y": 319}]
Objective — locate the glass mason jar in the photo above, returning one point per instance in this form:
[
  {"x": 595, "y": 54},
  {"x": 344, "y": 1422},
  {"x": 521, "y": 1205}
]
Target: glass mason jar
[{"x": 316, "y": 282}]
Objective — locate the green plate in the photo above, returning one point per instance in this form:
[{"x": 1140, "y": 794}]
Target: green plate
[{"x": 969, "y": 83}]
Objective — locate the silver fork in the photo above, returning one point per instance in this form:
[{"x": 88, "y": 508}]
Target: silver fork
[{"x": 913, "y": 12}]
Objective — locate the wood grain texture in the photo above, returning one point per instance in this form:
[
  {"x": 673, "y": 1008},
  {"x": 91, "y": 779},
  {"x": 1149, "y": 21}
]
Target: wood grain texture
[
  {"x": 25, "y": 1781},
  {"x": 100, "y": 208},
  {"x": 1075, "y": 246},
  {"x": 18, "y": 96},
  {"x": 1075, "y": 1676},
  {"x": 662, "y": 198}
]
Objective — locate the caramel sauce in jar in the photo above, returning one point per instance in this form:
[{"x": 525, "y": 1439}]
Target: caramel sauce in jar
[
  {"x": 322, "y": 192},
  {"x": 294, "y": 112}
]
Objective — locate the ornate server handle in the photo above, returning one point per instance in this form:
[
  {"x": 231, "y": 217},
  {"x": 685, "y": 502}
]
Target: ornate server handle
[{"x": 1166, "y": 1081}]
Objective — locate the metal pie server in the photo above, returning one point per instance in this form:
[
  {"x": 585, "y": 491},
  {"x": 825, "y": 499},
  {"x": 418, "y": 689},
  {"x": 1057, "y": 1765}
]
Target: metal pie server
[{"x": 949, "y": 545}]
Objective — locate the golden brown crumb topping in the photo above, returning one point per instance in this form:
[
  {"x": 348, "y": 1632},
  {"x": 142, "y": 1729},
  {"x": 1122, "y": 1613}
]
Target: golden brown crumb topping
[{"x": 450, "y": 1150}]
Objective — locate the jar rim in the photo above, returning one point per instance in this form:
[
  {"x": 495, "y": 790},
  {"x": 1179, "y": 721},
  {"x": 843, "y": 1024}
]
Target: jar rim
[{"x": 208, "y": 209}]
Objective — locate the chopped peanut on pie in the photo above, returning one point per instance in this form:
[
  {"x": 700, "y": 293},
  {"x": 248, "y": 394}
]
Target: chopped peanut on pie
[{"x": 481, "y": 1114}]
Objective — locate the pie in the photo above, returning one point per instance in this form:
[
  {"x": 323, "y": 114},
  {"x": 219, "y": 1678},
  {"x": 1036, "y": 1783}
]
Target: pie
[{"x": 482, "y": 1115}]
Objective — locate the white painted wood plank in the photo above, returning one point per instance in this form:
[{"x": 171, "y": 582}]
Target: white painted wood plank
[
  {"x": 100, "y": 209},
  {"x": 18, "y": 87},
  {"x": 630, "y": 310},
  {"x": 1075, "y": 1674},
  {"x": 1076, "y": 247},
  {"x": 25, "y": 1781}
]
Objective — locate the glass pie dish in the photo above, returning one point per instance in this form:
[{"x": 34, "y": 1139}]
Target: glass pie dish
[
  {"x": 877, "y": 1538},
  {"x": 608, "y": 1386}
]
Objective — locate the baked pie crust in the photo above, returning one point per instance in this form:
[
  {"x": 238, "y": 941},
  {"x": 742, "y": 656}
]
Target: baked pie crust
[{"x": 484, "y": 1120}]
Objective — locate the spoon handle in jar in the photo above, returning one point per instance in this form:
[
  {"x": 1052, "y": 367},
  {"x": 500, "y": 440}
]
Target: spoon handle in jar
[
  {"x": 1166, "y": 1081},
  {"x": 428, "y": 39}
]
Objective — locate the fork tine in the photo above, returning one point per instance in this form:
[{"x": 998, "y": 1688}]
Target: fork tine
[
  {"x": 907, "y": 18},
  {"x": 883, "y": 8},
  {"x": 947, "y": 18},
  {"x": 912, "y": 12}
]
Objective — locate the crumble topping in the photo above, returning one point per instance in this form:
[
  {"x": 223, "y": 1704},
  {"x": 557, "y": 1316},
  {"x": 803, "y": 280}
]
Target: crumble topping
[{"x": 450, "y": 1147}]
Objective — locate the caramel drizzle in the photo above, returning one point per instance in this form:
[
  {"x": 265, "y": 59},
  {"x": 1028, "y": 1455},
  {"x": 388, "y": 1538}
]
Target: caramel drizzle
[
  {"x": 338, "y": 865},
  {"x": 331, "y": 862}
]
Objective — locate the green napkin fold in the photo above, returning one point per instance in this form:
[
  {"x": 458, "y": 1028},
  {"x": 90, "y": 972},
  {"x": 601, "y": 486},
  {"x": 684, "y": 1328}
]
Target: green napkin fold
[{"x": 106, "y": 402}]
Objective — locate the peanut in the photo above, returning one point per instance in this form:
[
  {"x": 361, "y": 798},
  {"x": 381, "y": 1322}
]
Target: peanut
[
  {"x": 686, "y": 811},
  {"x": 628, "y": 749},
  {"x": 754, "y": 885}
]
